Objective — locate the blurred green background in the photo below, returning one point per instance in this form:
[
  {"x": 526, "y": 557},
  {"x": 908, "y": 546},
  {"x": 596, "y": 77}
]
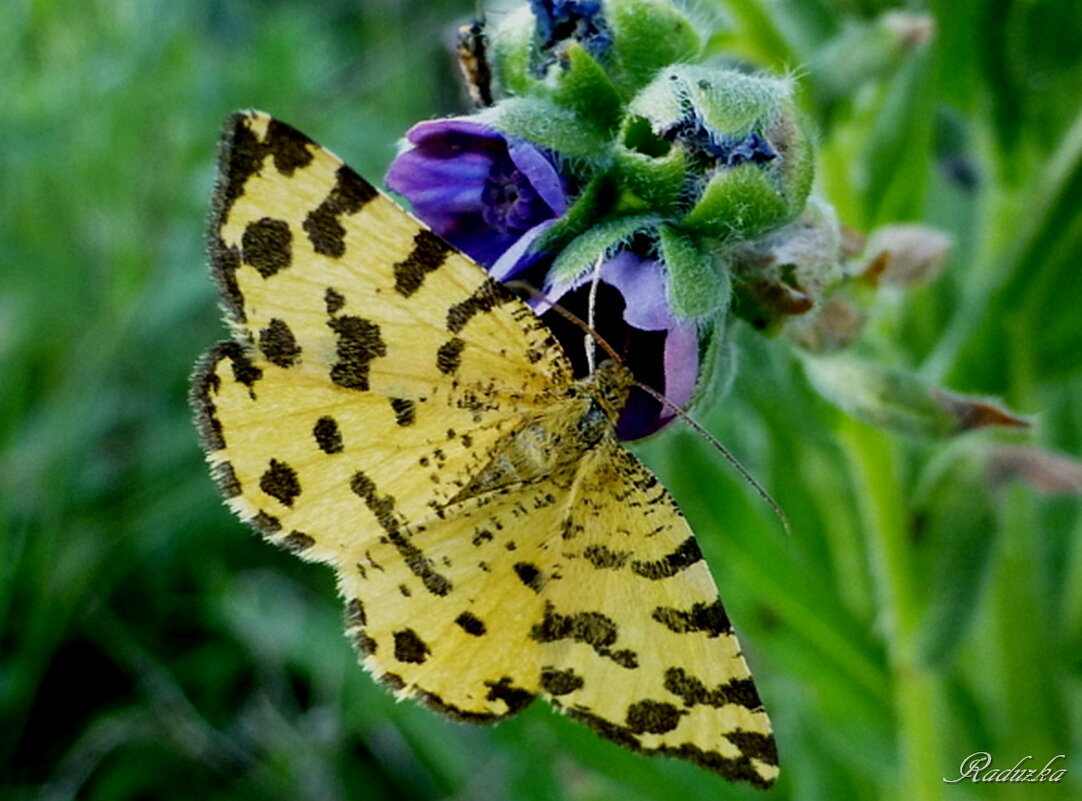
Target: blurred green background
[{"x": 152, "y": 647}]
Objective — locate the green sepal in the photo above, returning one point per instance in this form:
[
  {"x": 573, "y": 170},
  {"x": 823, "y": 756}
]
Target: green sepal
[
  {"x": 697, "y": 285},
  {"x": 717, "y": 359},
  {"x": 545, "y": 124},
  {"x": 648, "y": 35},
  {"x": 579, "y": 256},
  {"x": 738, "y": 203},
  {"x": 582, "y": 86}
]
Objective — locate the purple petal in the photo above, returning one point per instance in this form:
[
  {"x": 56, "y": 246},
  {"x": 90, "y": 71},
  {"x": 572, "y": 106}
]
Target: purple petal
[
  {"x": 540, "y": 173},
  {"x": 642, "y": 283},
  {"x": 681, "y": 363},
  {"x": 476, "y": 187},
  {"x": 451, "y": 133},
  {"x": 519, "y": 257}
]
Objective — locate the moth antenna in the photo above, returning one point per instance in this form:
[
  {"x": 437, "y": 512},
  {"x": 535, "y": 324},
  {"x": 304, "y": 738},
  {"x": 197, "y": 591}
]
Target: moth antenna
[
  {"x": 743, "y": 471},
  {"x": 522, "y": 286},
  {"x": 591, "y": 345},
  {"x": 591, "y": 334}
]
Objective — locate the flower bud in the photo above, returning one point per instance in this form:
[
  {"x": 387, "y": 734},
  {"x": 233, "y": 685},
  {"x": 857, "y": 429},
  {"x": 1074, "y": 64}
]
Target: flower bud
[
  {"x": 900, "y": 400},
  {"x": 906, "y": 256},
  {"x": 723, "y": 151}
]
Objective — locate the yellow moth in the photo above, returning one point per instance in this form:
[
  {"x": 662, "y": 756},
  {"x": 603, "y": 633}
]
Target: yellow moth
[{"x": 386, "y": 407}]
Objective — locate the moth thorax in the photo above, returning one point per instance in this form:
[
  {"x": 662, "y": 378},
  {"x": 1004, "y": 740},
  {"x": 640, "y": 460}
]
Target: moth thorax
[{"x": 609, "y": 386}]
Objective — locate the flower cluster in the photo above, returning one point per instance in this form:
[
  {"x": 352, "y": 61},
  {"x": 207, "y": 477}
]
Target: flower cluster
[
  {"x": 608, "y": 156},
  {"x": 657, "y": 197}
]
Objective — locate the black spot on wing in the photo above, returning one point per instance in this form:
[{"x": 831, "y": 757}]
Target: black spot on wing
[
  {"x": 383, "y": 507},
  {"x": 449, "y": 355},
  {"x": 529, "y": 574},
  {"x": 278, "y": 344},
  {"x": 242, "y": 155},
  {"x": 244, "y": 371},
  {"x": 735, "y": 769},
  {"x": 328, "y": 435},
  {"x": 428, "y": 254},
  {"x": 280, "y": 481},
  {"x": 653, "y": 717},
  {"x": 751, "y": 745},
  {"x": 516, "y": 698},
  {"x": 490, "y": 294},
  {"x": 297, "y": 542},
  {"x": 334, "y": 299},
  {"x": 405, "y": 411},
  {"x": 394, "y": 681},
  {"x": 592, "y": 628},
  {"x": 355, "y": 615},
  {"x": 266, "y": 245},
  {"x": 206, "y": 383},
  {"x": 709, "y": 618},
  {"x": 481, "y": 536},
  {"x": 409, "y": 647},
  {"x": 323, "y": 226},
  {"x": 620, "y": 735},
  {"x": 435, "y": 702},
  {"x": 686, "y": 555},
  {"x": 365, "y": 645},
  {"x": 471, "y": 624},
  {"x": 290, "y": 149},
  {"x": 692, "y": 691},
  {"x": 560, "y": 682},
  {"x": 755, "y": 746},
  {"x": 601, "y": 557},
  {"x": 267, "y": 524},
  {"x": 226, "y": 478},
  {"x": 359, "y": 342}
]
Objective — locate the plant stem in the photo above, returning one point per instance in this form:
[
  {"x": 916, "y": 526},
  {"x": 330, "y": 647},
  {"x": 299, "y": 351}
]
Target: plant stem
[{"x": 916, "y": 688}]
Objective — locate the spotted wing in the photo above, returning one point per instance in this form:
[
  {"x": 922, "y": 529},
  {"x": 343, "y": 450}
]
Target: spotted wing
[
  {"x": 585, "y": 586},
  {"x": 637, "y": 643},
  {"x": 372, "y": 367}
]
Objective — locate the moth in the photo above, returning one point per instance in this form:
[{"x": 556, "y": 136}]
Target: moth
[{"x": 382, "y": 405}]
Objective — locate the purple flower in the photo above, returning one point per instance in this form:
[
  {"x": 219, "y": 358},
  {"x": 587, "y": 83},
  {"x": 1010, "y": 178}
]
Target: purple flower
[
  {"x": 493, "y": 196},
  {"x": 483, "y": 191},
  {"x": 632, "y": 314}
]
